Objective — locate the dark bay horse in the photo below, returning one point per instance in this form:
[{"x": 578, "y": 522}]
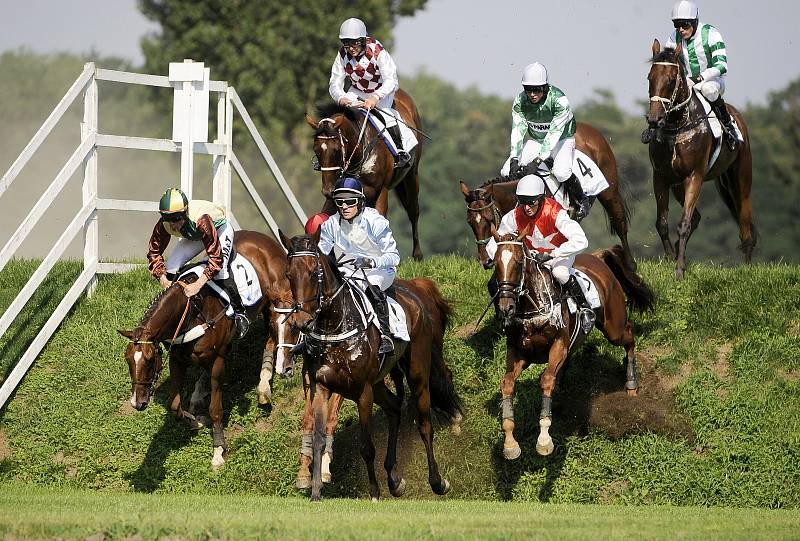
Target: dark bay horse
[
  {"x": 488, "y": 203},
  {"x": 341, "y": 357},
  {"x": 169, "y": 309},
  {"x": 341, "y": 149},
  {"x": 540, "y": 329},
  {"x": 680, "y": 155}
]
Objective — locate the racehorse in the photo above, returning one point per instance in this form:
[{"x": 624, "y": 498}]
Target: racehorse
[
  {"x": 540, "y": 329},
  {"x": 488, "y": 203},
  {"x": 172, "y": 315},
  {"x": 344, "y": 146},
  {"x": 681, "y": 155},
  {"x": 341, "y": 357}
]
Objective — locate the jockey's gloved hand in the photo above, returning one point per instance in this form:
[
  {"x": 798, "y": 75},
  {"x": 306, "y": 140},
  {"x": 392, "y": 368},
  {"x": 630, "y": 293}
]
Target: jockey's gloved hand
[
  {"x": 696, "y": 79},
  {"x": 537, "y": 161},
  {"x": 364, "y": 263},
  {"x": 541, "y": 257},
  {"x": 513, "y": 165}
]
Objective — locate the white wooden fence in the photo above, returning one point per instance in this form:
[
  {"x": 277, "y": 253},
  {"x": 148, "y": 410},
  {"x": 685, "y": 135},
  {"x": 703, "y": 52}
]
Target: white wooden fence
[{"x": 224, "y": 159}]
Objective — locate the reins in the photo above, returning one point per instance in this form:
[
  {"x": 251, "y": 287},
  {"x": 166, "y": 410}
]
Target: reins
[{"x": 687, "y": 123}]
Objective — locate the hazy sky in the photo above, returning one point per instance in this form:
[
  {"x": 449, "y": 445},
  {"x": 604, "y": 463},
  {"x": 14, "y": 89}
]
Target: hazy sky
[{"x": 584, "y": 44}]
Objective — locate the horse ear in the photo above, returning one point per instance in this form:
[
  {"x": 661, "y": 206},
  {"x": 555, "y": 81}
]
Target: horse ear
[
  {"x": 656, "y": 47},
  {"x": 464, "y": 189},
  {"x": 286, "y": 241},
  {"x": 524, "y": 232},
  {"x": 311, "y": 122},
  {"x": 315, "y": 236},
  {"x": 678, "y": 50},
  {"x": 126, "y": 334}
]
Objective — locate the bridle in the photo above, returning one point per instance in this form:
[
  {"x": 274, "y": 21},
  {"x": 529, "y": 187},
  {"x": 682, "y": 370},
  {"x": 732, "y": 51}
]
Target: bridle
[
  {"x": 685, "y": 123},
  {"x": 343, "y": 141},
  {"x": 517, "y": 290},
  {"x": 492, "y": 205}
]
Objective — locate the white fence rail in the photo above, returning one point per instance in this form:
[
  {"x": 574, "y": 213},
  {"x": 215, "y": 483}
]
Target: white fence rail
[{"x": 86, "y": 218}]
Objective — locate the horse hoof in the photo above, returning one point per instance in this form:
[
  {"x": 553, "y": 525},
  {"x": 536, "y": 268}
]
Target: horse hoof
[
  {"x": 217, "y": 461},
  {"x": 401, "y": 488},
  {"x": 374, "y": 499},
  {"x": 444, "y": 487},
  {"x": 545, "y": 449},
  {"x": 633, "y": 392},
  {"x": 512, "y": 453},
  {"x": 326, "y": 478},
  {"x": 303, "y": 483},
  {"x": 455, "y": 429},
  {"x": 264, "y": 399}
]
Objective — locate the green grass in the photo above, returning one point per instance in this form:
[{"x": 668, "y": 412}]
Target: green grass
[
  {"x": 717, "y": 422},
  {"x": 36, "y": 513}
]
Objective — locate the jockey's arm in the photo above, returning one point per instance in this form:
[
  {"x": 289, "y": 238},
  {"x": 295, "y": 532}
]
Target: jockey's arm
[
  {"x": 327, "y": 238},
  {"x": 336, "y": 84},
  {"x": 563, "y": 114},
  {"x": 718, "y": 66},
  {"x": 388, "y": 69},
  {"x": 519, "y": 127},
  {"x": 576, "y": 238},
  {"x": 507, "y": 225},
  {"x": 155, "y": 250},
  {"x": 390, "y": 256},
  {"x": 212, "y": 246}
]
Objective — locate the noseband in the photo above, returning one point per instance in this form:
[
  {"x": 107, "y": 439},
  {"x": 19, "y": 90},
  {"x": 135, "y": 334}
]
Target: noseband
[
  {"x": 343, "y": 142},
  {"x": 150, "y": 384}
]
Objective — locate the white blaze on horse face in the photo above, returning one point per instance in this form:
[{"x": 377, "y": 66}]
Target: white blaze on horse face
[
  {"x": 477, "y": 218},
  {"x": 324, "y": 146},
  {"x": 506, "y": 258}
]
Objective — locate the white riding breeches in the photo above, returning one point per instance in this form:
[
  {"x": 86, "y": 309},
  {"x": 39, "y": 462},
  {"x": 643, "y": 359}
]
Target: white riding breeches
[
  {"x": 563, "y": 154},
  {"x": 561, "y": 267},
  {"x": 386, "y": 103},
  {"x": 185, "y": 250},
  {"x": 712, "y": 89},
  {"x": 383, "y": 278}
]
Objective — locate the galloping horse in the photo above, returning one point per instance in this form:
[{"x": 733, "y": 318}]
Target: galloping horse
[
  {"x": 487, "y": 204},
  {"x": 681, "y": 155},
  {"x": 342, "y": 357},
  {"x": 343, "y": 145},
  {"x": 171, "y": 314},
  {"x": 540, "y": 328}
]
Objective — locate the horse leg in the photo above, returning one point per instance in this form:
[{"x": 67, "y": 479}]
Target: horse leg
[
  {"x": 621, "y": 334},
  {"x": 514, "y": 367},
  {"x": 382, "y": 202},
  {"x": 365, "y": 402},
  {"x": 334, "y": 405},
  {"x": 303, "y": 480},
  {"x": 615, "y": 210},
  {"x": 741, "y": 179},
  {"x": 390, "y": 404},
  {"x": 690, "y": 218},
  {"x": 419, "y": 381},
  {"x": 264, "y": 389},
  {"x": 556, "y": 357},
  {"x": 200, "y": 394},
  {"x": 408, "y": 193},
  {"x": 661, "y": 192},
  {"x": 177, "y": 372},
  {"x": 319, "y": 401},
  {"x": 215, "y": 411}
]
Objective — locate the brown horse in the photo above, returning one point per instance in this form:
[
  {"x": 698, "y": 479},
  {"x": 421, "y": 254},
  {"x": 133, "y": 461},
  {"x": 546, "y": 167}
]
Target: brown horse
[
  {"x": 487, "y": 204},
  {"x": 169, "y": 310},
  {"x": 540, "y": 328},
  {"x": 342, "y": 149},
  {"x": 342, "y": 357},
  {"x": 681, "y": 152}
]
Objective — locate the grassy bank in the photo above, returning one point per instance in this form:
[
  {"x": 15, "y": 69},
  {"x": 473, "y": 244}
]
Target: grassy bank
[{"x": 717, "y": 421}]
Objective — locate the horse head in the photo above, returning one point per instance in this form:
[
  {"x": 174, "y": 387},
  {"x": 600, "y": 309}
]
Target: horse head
[
  {"x": 143, "y": 356},
  {"x": 667, "y": 93},
  {"x": 335, "y": 141},
  {"x": 510, "y": 259},
  {"x": 482, "y": 215}
]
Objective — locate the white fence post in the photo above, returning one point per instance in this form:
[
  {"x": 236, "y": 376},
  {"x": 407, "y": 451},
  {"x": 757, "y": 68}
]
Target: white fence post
[
  {"x": 222, "y": 162},
  {"x": 90, "y": 230}
]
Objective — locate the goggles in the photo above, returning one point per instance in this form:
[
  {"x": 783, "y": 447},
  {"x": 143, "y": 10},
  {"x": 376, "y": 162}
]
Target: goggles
[
  {"x": 683, "y": 23},
  {"x": 351, "y": 42},
  {"x": 173, "y": 217},
  {"x": 534, "y": 89},
  {"x": 344, "y": 203},
  {"x": 529, "y": 199}
]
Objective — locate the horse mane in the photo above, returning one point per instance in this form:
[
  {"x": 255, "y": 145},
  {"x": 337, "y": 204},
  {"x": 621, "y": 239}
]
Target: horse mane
[
  {"x": 667, "y": 55},
  {"x": 156, "y": 302},
  {"x": 302, "y": 243},
  {"x": 512, "y": 176},
  {"x": 331, "y": 109}
]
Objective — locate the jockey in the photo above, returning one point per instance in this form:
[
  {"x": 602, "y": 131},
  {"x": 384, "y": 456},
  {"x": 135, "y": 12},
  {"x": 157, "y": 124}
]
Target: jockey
[
  {"x": 373, "y": 79},
  {"x": 554, "y": 237},
  {"x": 705, "y": 60},
  {"x": 199, "y": 225},
  {"x": 542, "y": 115}
]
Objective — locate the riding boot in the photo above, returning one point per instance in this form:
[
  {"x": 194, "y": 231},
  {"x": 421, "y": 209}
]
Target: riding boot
[
  {"x": 727, "y": 123},
  {"x": 402, "y": 159},
  {"x": 239, "y": 311},
  {"x": 381, "y": 306},
  {"x": 580, "y": 200},
  {"x": 585, "y": 312}
]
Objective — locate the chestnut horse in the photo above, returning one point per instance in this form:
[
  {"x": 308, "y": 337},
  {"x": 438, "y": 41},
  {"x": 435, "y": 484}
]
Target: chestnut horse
[
  {"x": 342, "y": 357},
  {"x": 680, "y": 155},
  {"x": 169, "y": 310},
  {"x": 540, "y": 329},
  {"x": 488, "y": 203},
  {"x": 342, "y": 149}
]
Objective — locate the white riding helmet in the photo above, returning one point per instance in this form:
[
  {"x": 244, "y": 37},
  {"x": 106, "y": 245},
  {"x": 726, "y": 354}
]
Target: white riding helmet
[
  {"x": 530, "y": 186},
  {"x": 684, "y": 10},
  {"x": 534, "y": 74},
  {"x": 353, "y": 29}
]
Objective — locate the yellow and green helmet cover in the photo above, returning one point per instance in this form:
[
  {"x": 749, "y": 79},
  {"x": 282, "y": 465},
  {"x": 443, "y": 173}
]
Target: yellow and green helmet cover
[{"x": 173, "y": 201}]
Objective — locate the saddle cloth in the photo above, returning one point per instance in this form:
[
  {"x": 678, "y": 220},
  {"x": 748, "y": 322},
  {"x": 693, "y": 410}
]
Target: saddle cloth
[
  {"x": 408, "y": 137},
  {"x": 397, "y": 316},
  {"x": 592, "y": 179},
  {"x": 244, "y": 274},
  {"x": 716, "y": 129},
  {"x": 589, "y": 291}
]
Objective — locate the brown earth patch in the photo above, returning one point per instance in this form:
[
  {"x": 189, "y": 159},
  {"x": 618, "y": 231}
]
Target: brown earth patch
[
  {"x": 793, "y": 328},
  {"x": 125, "y": 408},
  {"x": 234, "y": 431},
  {"x": 5, "y": 448},
  {"x": 465, "y": 331},
  {"x": 721, "y": 367},
  {"x": 611, "y": 492}
]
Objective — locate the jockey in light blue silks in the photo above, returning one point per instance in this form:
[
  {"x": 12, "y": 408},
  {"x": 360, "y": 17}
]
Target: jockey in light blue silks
[
  {"x": 543, "y": 126},
  {"x": 705, "y": 60},
  {"x": 362, "y": 242},
  {"x": 373, "y": 81}
]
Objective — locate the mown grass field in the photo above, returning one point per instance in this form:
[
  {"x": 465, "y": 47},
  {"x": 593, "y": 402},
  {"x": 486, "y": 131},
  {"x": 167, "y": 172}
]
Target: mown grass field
[{"x": 716, "y": 423}]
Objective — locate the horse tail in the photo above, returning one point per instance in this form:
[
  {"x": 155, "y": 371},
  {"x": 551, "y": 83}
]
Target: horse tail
[
  {"x": 638, "y": 293},
  {"x": 444, "y": 398}
]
